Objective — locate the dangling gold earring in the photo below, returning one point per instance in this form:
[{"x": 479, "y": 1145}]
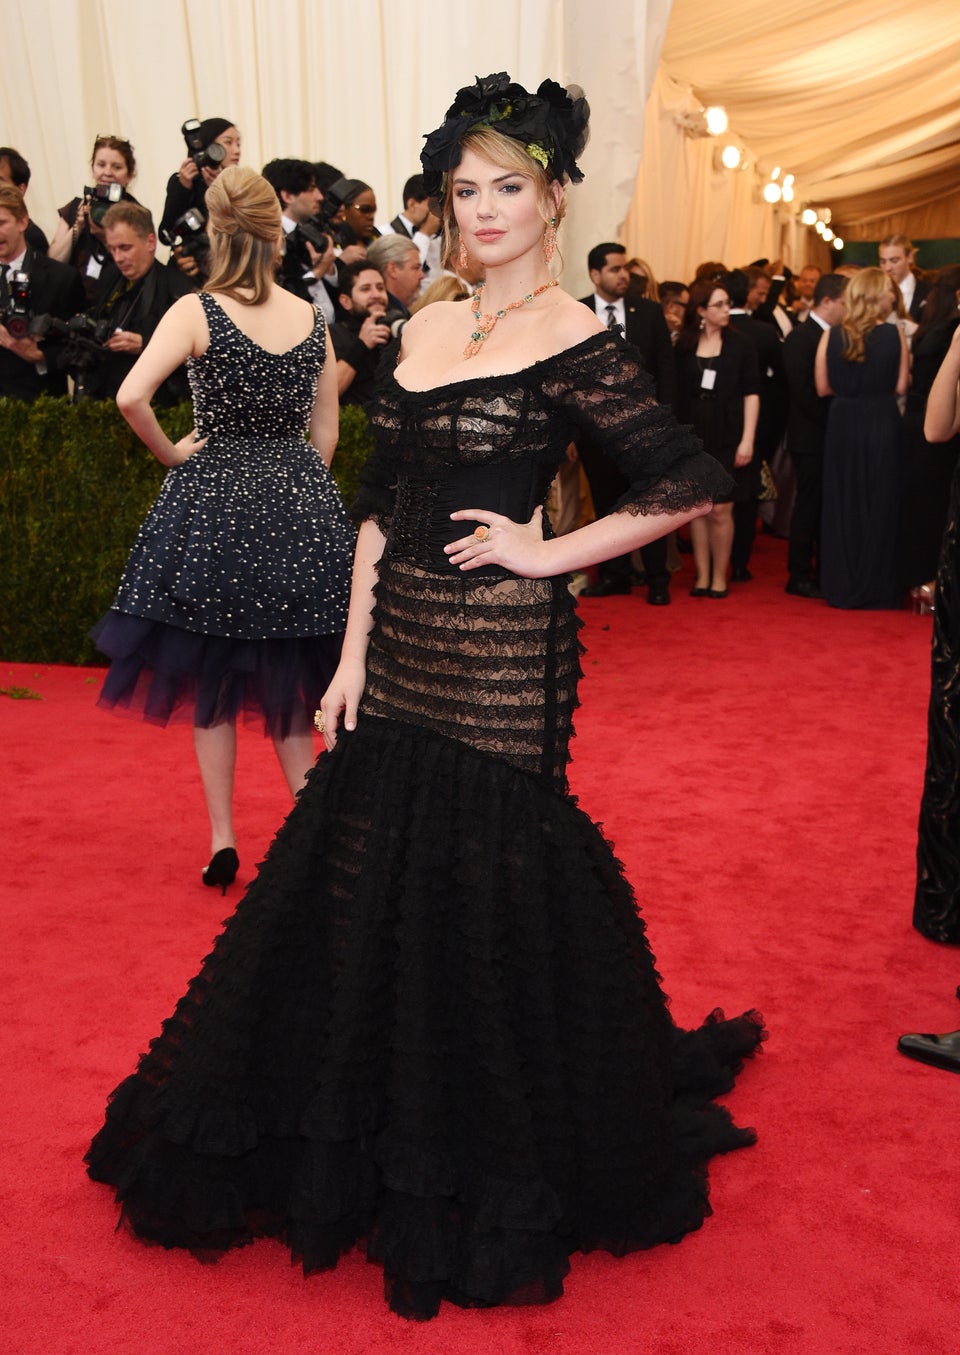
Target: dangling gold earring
[
  {"x": 462, "y": 259},
  {"x": 550, "y": 239}
]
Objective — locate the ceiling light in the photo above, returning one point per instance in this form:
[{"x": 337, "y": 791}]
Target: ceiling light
[
  {"x": 827, "y": 234},
  {"x": 776, "y": 173},
  {"x": 717, "y": 121},
  {"x": 808, "y": 216},
  {"x": 826, "y": 215},
  {"x": 837, "y": 242},
  {"x": 820, "y": 228},
  {"x": 787, "y": 191},
  {"x": 788, "y": 180},
  {"x": 731, "y": 157},
  {"x": 771, "y": 192}
]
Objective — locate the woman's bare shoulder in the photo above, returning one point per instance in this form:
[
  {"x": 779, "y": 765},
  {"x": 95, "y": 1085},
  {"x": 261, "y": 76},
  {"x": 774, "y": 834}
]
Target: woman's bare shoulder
[{"x": 573, "y": 321}]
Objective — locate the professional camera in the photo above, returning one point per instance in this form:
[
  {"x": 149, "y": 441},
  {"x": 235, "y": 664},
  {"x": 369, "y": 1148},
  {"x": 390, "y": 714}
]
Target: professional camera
[
  {"x": 101, "y": 198},
  {"x": 394, "y": 320},
  {"x": 309, "y": 231},
  {"x": 189, "y": 235},
  {"x": 15, "y": 309},
  {"x": 204, "y": 157}
]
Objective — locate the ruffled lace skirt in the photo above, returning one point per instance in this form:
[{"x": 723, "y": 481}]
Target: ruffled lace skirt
[{"x": 433, "y": 1027}]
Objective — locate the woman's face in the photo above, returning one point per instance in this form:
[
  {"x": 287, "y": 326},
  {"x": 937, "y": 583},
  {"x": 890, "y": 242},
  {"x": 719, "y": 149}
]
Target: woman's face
[
  {"x": 230, "y": 141},
  {"x": 109, "y": 166},
  {"x": 716, "y": 313},
  {"x": 360, "y": 216},
  {"x": 498, "y": 210}
]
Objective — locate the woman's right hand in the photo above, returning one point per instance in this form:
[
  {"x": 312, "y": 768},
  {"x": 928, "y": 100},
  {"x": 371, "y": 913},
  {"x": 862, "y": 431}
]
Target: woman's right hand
[
  {"x": 187, "y": 173},
  {"x": 342, "y": 697}
]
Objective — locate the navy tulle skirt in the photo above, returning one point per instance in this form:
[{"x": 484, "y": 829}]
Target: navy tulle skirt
[{"x": 164, "y": 673}]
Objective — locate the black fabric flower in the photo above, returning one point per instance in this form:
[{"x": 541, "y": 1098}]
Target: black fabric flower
[{"x": 551, "y": 125}]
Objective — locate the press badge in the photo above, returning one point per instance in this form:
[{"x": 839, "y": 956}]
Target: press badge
[{"x": 709, "y": 379}]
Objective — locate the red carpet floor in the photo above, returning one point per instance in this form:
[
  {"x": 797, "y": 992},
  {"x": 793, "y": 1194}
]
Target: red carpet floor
[{"x": 758, "y": 764}]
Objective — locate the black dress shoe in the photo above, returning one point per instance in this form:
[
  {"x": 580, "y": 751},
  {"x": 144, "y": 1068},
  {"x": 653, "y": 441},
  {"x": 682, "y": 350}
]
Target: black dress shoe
[
  {"x": 605, "y": 588},
  {"x": 740, "y": 574},
  {"x": 802, "y": 588},
  {"x": 222, "y": 869},
  {"x": 942, "y": 1051},
  {"x": 717, "y": 592},
  {"x": 658, "y": 595},
  {"x": 699, "y": 592}
]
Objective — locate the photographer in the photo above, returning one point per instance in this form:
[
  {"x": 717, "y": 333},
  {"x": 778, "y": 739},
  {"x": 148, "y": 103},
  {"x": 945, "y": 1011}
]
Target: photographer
[
  {"x": 212, "y": 145},
  {"x": 398, "y": 259},
  {"x": 308, "y": 251},
  {"x": 359, "y": 339},
  {"x": 79, "y": 239},
  {"x": 15, "y": 173},
  {"x": 133, "y": 293},
  {"x": 31, "y": 284}
]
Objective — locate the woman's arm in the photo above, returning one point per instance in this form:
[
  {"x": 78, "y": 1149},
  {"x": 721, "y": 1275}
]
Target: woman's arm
[
  {"x": 61, "y": 246},
  {"x": 176, "y": 338},
  {"x": 344, "y": 693},
  {"x": 820, "y": 366},
  {"x": 751, "y": 412},
  {"x": 942, "y": 419},
  {"x": 325, "y": 416}
]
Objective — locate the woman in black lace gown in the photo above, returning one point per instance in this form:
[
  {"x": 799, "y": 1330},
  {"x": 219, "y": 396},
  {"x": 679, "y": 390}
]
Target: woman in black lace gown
[
  {"x": 936, "y": 909},
  {"x": 234, "y": 597},
  {"x": 434, "y": 1025}
]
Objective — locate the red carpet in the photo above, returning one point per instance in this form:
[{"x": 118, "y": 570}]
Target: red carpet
[{"x": 758, "y": 764}]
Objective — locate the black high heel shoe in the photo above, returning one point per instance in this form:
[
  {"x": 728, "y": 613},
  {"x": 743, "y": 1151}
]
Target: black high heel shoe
[{"x": 222, "y": 869}]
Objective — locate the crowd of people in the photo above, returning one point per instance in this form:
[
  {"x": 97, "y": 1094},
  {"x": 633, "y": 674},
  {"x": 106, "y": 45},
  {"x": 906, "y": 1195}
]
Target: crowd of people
[{"x": 834, "y": 426}]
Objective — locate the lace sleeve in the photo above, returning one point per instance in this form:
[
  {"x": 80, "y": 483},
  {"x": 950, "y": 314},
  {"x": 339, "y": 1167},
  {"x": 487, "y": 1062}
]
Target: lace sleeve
[{"x": 607, "y": 397}]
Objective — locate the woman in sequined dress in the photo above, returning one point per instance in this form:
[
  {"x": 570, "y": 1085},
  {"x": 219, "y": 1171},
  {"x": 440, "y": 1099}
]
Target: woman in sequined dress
[
  {"x": 434, "y": 1026},
  {"x": 234, "y": 595}
]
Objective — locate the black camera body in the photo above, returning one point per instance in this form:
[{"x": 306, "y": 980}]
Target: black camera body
[
  {"x": 101, "y": 198},
  {"x": 15, "y": 313},
  {"x": 189, "y": 235},
  {"x": 394, "y": 321},
  {"x": 203, "y": 156},
  {"x": 311, "y": 232}
]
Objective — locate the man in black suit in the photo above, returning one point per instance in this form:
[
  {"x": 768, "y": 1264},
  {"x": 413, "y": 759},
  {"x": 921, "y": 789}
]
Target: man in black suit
[
  {"x": 743, "y": 286},
  {"x": 28, "y": 367},
  {"x": 896, "y": 259},
  {"x": 806, "y": 431},
  {"x": 15, "y": 172},
  {"x": 133, "y": 293},
  {"x": 641, "y": 323}
]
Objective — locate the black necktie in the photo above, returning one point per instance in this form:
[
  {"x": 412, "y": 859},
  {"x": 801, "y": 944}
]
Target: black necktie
[{"x": 4, "y": 290}]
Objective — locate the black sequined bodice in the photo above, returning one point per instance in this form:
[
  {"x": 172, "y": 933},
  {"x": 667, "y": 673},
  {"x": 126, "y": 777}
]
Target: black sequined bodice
[{"x": 249, "y": 537}]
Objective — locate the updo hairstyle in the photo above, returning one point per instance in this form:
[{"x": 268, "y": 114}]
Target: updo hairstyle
[{"x": 244, "y": 228}]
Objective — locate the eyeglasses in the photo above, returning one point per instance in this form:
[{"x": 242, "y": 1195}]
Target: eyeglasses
[{"x": 367, "y": 210}]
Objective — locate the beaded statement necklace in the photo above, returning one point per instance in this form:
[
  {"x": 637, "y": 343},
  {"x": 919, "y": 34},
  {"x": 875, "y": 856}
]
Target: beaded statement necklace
[{"x": 485, "y": 323}]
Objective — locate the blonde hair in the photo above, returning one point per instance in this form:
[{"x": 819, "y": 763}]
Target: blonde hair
[
  {"x": 445, "y": 288},
  {"x": 652, "y": 290},
  {"x": 863, "y": 294},
  {"x": 506, "y": 153},
  {"x": 245, "y": 228}
]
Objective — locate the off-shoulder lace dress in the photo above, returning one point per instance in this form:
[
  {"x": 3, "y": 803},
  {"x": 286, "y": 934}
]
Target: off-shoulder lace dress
[{"x": 434, "y": 1026}]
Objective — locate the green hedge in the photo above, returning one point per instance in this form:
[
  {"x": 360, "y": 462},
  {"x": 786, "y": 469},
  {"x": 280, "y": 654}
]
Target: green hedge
[{"x": 75, "y": 484}]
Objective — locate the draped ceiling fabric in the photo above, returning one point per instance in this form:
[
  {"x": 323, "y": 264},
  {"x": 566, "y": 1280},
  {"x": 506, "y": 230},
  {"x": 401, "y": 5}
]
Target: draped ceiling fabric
[
  {"x": 355, "y": 83},
  {"x": 857, "y": 98}
]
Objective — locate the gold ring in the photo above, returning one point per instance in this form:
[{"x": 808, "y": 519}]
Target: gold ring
[
  {"x": 318, "y": 721},
  {"x": 482, "y": 532}
]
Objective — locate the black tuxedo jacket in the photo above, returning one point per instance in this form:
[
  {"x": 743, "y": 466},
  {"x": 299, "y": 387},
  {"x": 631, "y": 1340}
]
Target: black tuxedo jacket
[
  {"x": 647, "y": 331},
  {"x": 55, "y": 289},
  {"x": 806, "y": 410},
  {"x": 919, "y": 297}
]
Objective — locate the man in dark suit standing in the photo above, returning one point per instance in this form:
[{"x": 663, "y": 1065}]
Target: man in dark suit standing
[
  {"x": 806, "y": 430},
  {"x": 28, "y": 368},
  {"x": 641, "y": 323},
  {"x": 896, "y": 259}
]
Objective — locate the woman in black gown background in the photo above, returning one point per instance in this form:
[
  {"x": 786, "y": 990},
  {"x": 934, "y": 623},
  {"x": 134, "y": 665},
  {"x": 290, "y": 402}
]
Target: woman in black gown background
[
  {"x": 929, "y": 466},
  {"x": 863, "y": 363},
  {"x": 434, "y": 1024}
]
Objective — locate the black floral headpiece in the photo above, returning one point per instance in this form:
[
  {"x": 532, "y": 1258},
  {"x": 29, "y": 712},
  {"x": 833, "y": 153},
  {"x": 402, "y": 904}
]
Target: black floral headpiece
[{"x": 551, "y": 125}]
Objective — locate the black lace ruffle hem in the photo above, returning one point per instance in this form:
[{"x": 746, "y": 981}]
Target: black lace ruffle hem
[{"x": 433, "y": 1027}]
